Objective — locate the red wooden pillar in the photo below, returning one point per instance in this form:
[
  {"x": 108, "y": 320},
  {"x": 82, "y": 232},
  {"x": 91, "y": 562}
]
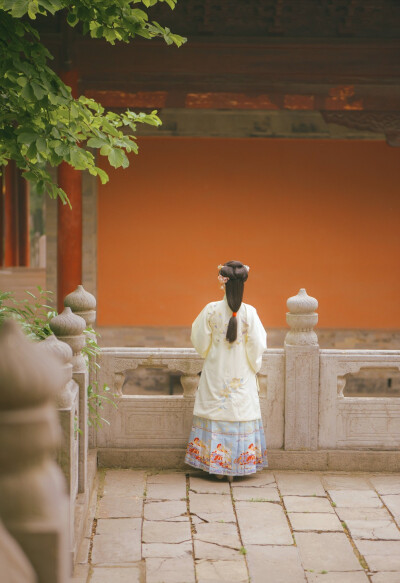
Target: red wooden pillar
[
  {"x": 23, "y": 221},
  {"x": 11, "y": 216},
  {"x": 69, "y": 224}
]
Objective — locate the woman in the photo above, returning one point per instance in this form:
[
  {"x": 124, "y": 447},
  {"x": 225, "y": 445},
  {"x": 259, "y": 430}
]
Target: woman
[{"x": 227, "y": 436}]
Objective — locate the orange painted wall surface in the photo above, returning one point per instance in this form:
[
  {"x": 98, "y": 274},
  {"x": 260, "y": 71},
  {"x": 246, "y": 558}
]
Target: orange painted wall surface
[{"x": 324, "y": 215}]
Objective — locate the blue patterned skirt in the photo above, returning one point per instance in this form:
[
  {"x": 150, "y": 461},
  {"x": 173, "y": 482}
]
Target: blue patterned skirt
[{"x": 233, "y": 448}]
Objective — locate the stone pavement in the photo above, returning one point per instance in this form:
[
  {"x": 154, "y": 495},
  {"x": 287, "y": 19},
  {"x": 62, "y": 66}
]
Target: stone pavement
[{"x": 272, "y": 527}]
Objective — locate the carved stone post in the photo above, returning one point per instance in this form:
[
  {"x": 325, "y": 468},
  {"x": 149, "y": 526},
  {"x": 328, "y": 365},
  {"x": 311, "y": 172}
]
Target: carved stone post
[
  {"x": 302, "y": 373},
  {"x": 69, "y": 328},
  {"x": 67, "y": 402},
  {"x": 83, "y": 304},
  {"x": 33, "y": 502}
]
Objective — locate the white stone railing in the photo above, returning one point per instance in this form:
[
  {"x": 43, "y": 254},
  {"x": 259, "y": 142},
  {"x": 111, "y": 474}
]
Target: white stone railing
[
  {"x": 301, "y": 394},
  {"x": 356, "y": 422},
  {"x": 160, "y": 421}
]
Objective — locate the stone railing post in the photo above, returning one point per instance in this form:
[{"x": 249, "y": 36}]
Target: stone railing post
[
  {"x": 302, "y": 373},
  {"x": 83, "y": 304},
  {"x": 67, "y": 403},
  {"x": 68, "y": 327},
  {"x": 33, "y": 501}
]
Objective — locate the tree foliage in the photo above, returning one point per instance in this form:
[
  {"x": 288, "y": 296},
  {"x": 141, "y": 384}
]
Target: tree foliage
[{"x": 41, "y": 124}]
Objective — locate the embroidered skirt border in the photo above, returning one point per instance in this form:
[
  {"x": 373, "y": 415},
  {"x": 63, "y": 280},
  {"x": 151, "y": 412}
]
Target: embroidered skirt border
[{"x": 233, "y": 448}]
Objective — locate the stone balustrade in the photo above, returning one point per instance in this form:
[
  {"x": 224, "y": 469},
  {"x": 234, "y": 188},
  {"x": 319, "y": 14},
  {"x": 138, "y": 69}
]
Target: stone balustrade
[
  {"x": 69, "y": 326},
  {"x": 33, "y": 501},
  {"x": 301, "y": 397}
]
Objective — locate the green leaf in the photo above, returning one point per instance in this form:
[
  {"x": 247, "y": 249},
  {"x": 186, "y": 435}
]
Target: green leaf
[
  {"x": 22, "y": 81},
  {"x": 77, "y": 158},
  {"x": 27, "y": 93},
  {"x": 17, "y": 7},
  {"x": 96, "y": 143},
  {"x": 32, "y": 152},
  {"x": 38, "y": 90},
  {"x": 26, "y": 137},
  {"x": 41, "y": 145},
  {"x": 118, "y": 158},
  {"x": 102, "y": 175},
  {"x": 62, "y": 149},
  {"x": 105, "y": 150}
]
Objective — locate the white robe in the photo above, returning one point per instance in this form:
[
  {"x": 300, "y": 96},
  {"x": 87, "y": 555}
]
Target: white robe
[{"x": 228, "y": 387}]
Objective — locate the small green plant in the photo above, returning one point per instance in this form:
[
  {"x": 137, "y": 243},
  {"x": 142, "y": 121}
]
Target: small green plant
[
  {"x": 97, "y": 396},
  {"x": 76, "y": 426},
  {"x": 334, "y": 504},
  {"x": 243, "y": 551},
  {"x": 323, "y": 572},
  {"x": 34, "y": 315},
  {"x": 96, "y": 401},
  {"x": 260, "y": 500}
]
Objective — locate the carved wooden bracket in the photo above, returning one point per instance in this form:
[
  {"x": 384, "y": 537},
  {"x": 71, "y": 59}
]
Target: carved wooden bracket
[{"x": 383, "y": 122}]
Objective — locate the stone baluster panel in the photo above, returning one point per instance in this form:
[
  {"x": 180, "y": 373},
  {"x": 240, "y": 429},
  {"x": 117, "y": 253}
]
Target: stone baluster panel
[
  {"x": 67, "y": 403},
  {"x": 302, "y": 373},
  {"x": 190, "y": 383},
  {"x": 69, "y": 327},
  {"x": 33, "y": 500}
]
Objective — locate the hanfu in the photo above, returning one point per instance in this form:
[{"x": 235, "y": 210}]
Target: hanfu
[{"x": 227, "y": 435}]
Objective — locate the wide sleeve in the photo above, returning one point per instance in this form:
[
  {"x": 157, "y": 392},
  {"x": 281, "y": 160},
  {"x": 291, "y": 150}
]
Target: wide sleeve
[
  {"x": 256, "y": 340},
  {"x": 201, "y": 332}
]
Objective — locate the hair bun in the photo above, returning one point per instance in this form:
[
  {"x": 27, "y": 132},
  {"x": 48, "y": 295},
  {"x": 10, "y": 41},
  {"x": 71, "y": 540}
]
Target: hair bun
[{"x": 235, "y": 270}]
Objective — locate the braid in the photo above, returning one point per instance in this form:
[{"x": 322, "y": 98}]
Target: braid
[{"x": 234, "y": 287}]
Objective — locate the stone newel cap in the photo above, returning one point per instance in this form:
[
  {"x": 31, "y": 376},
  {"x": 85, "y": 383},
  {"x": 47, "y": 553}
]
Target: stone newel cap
[
  {"x": 302, "y": 303},
  {"x": 67, "y": 324},
  {"x": 59, "y": 349},
  {"x": 80, "y": 300}
]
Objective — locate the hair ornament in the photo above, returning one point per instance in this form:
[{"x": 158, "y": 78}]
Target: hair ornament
[
  {"x": 220, "y": 267},
  {"x": 247, "y": 267},
  {"x": 223, "y": 280}
]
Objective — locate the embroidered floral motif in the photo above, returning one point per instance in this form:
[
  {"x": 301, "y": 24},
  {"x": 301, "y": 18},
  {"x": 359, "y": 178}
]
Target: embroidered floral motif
[
  {"x": 222, "y": 457},
  {"x": 229, "y": 389},
  {"x": 251, "y": 456},
  {"x": 198, "y": 450}
]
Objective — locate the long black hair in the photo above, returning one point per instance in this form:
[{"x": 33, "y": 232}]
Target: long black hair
[{"x": 234, "y": 287}]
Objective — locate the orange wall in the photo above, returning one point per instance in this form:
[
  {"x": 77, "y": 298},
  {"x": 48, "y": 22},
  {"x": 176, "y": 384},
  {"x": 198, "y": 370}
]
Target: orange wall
[{"x": 323, "y": 215}]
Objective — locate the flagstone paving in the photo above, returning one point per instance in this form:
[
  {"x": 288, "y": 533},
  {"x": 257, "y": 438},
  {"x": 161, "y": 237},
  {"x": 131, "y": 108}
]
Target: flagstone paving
[{"x": 274, "y": 527}]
